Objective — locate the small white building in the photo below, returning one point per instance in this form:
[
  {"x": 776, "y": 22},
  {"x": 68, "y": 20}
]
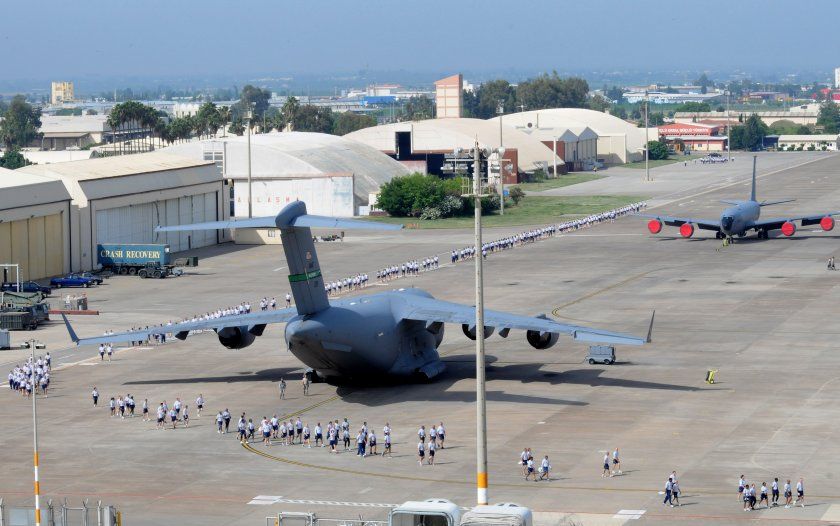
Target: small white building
[
  {"x": 34, "y": 224},
  {"x": 121, "y": 199},
  {"x": 825, "y": 142}
]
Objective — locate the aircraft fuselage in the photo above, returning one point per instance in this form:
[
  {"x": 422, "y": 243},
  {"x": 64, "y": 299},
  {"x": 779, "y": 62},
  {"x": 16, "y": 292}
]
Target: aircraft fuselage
[
  {"x": 367, "y": 337},
  {"x": 736, "y": 220}
]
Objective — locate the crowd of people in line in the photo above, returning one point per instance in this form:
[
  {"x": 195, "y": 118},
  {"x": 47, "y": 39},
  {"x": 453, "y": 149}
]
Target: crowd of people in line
[
  {"x": 359, "y": 281},
  {"x": 125, "y": 406},
  {"x": 21, "y": 377},
  {"x": 407, "y": 268},
  {"x": 529, "y": 468},
  {"x": 747, "y": 494}
]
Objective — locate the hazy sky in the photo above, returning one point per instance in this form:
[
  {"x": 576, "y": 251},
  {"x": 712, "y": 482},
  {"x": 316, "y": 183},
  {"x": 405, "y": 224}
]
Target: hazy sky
[{"x": 52, "y": 39}]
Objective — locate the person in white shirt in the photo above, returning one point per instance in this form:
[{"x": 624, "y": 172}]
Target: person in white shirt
[
  {"x": 788, "y": 494},
  {"x": 372, "y": 442},
  {"x": 441, "y": 432},
  {"x": 387, "y": 446},
  {"x": 95, "y": 395},
  {"x": 529, "y": 470},
  {"x": 616, "y": 462},
  {"x": 421, "y": 434},
  {"x": 186, "y": 416},
  {"x": 775, "y": 489},
  {"x": 545, "y": 469},
  {"x": 763, "y": 496},
  {"x": 606, "y": 465},
  {"x": 199, "y": 403},
  {"x": 800, "y": 493},
  {"x": 432, "y": 448},
  {"x": 421, "y": 452}
]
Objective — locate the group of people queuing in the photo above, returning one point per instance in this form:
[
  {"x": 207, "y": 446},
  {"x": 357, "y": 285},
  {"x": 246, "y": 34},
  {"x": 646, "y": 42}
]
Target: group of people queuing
[
  {"x": 531, "y": 470},
  {"x": 672, "y": 490},
  {"x": 32, "y": 377},
  {"x": 408, "y": 268},
  {"x": 125, "y": 406},
  {"x": 751, "y": 497},
  {"x": 436, "y": 437},
  {"x": 356, "y": 282}
]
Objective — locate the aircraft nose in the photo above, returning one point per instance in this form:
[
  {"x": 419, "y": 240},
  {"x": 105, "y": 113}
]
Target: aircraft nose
[{"x": 726, "y": 223}]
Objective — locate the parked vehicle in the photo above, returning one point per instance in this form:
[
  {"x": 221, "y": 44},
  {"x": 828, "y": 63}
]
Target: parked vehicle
[
  {"x": 25, "y": 286},
  {"x": 125, "y": 258},
  {"x": 153, "y": 270},
  {"x": 73, "y": 280},
  {"x": 93, "y": 277}
]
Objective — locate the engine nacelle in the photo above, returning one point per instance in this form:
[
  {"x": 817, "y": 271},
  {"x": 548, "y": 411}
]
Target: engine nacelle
[
  {"x": 686, "y": 230},
  {"x": 237, "y": 337},
  {"x": 436, "y": 329},
  {"x": 541, "y": 340},
  {"x": 788, "y": 228},
  {"x": 655, "y": 226},
  {"x": 470, "y": 332},
  {"x": 827, "y": 223}
]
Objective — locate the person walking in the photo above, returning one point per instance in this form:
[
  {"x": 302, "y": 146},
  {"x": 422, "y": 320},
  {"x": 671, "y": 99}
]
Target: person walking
[
  {"x": 800, "y": 493},
  {"x": 95, "y": 395},
  {"x": 432, "y": 448},
  {"x": 788, "y": 494},
  {"x": 305, "y": 382},
  {"x": 763, "y": 496},
  {"x": 545, "y": 469},
  {"x": 146, "y": 410},
  {"x": 669, "y": 486},
  {"x": 282, "y": 386},
  {"x": 675, "y": 492},
  {"x": 529, "y": 469},
  {"x": 226, "y": 416},
  {"x": 220, "y": 421},
  {"x": 775, "y": 490},
  {"x": 441, "y": 434},
  {"x": 606, "y": 466},
  {"x": 199, "y": 403},
  {"x": 616, "y": 462},
  {"x": 742, "y": 483},
  {"x": 421, "y": 452},
  {"x": 387, "y": 450}
]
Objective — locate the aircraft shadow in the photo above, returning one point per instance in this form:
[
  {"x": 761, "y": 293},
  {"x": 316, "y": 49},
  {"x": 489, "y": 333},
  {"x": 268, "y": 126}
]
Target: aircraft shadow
[{"x": 272, "y": 375}]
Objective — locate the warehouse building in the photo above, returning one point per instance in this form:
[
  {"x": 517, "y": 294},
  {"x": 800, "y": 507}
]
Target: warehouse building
[
  {"x": 618, "y": 141},
  {"x": 34, "y": 224},
  {"x": 422, "y": 145},
  {"x": 577, "y": 146},
  {"x": 121, "y": 199},
  {"x": 332, "y": 175},
  {"x": 823, "y": 142}
]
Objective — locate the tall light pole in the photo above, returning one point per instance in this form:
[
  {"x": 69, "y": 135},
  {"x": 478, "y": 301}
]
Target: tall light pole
[
  {"x": 728, "y": 138},
  {"x": 481, "y": 402},
  {"x": 35, "y": 437},
  {"x": 647, "y": 137},
  {"x": 250, "y": 115},
  {"x": 500, "y": 109}
]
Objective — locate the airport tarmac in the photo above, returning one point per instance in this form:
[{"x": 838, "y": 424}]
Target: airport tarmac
[{"x": 761, "y": 312}]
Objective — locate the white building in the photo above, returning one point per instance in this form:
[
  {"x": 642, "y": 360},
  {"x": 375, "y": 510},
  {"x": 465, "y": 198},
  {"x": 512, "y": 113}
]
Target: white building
[
  {"x": 34, "y": 224},
  {"x": 837, "y": 78},
  {"x": 827, "y": 142},
  {"x": 121, "y": 199},
  {"x": 332, "y": 175},
  {"x": 618, "y": 141}
]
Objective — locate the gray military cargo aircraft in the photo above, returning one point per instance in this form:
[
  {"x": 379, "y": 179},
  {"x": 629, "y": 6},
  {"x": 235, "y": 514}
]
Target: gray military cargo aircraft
[
  {"x": 740, "y": 218},
  {"x": 382, "y": 335}
]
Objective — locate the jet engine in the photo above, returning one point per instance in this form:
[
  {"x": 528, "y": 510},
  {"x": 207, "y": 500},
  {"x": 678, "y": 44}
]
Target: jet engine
[
  {"x": 686, "y": 230},
  {"x": 788, "y": 228},
  {"x": 239, "y": 337},
  {"x": 541, "y": 340},
  {"x": 469, "y": 332},
  {"x": 827, "y": 223},
  {"x": 655, "y": 226}
]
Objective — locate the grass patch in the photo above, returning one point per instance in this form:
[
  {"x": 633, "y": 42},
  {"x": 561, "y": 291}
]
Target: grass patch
[
  {"x": 532, "y": 210},
  {"x": 663, "y": 162},
  {"x": 559, "y": 182}
]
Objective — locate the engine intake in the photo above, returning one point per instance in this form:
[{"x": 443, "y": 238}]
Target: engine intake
[
  {"x": 654, "y": 226},
  {"x": 237, "y": 337},
  {"x": 541, "y": 340},
  {"x": 469, "y": 331},
  {"x": 686, "y": 230},
  {"x": 788, "y": 228},
  {"x": 827, "y": 223}
]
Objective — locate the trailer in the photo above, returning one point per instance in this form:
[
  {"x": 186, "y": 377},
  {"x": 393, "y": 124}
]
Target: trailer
[{"x": 127, "y": 258}]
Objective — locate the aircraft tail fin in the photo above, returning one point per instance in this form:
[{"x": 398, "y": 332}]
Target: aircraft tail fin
[
  {"x": 752, "y": 193},
  {"x": 294, "y": 223}
]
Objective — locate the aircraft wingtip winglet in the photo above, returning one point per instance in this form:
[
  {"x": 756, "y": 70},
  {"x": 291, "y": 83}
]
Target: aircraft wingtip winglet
[
  {"x": 650, "y": 327},
  {"x": 70, "y": 330}
]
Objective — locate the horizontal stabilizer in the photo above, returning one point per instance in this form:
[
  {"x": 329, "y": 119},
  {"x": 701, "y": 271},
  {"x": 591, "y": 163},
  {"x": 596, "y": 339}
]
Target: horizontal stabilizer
[
  {"x": 284, "y": 219},
  {"x": 776, "y": 202},
  {"x": 735, "y": 202}
]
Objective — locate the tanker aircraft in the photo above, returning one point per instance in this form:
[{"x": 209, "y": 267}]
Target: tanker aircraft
[
  {"x": 382, "y": 335},
  {"x": 742, "y": 217}
]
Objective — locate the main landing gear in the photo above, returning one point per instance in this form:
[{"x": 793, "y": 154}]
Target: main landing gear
[{"x": 762, "y": 234}]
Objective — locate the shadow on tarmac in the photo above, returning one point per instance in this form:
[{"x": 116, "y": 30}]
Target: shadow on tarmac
[{"x": 272, "y": 375}]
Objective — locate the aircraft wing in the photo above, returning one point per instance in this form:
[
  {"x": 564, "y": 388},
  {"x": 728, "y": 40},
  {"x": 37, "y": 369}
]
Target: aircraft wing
[
  {"x": 776, "y": 223},
  {"x": 432, "y": 310},
  {"x": 703, "y": 224},
  {"x": 182, "y": 329}
]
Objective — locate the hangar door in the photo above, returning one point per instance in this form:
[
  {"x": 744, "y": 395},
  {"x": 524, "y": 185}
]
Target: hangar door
[
  {"x": 36, "y": 244},
  {"x": 136, "y": 223}
]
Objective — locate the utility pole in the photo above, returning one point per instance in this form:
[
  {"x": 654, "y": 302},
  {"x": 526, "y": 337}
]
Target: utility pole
[
  {"x": 250, "y": 202},
  {"x": 500, "y": 109},
  {"x": 647, "y": 137},
  {"x": 35, "y": 437},
  {"x": 481, "y": 402},
  {"x": 728, "y": 138}
]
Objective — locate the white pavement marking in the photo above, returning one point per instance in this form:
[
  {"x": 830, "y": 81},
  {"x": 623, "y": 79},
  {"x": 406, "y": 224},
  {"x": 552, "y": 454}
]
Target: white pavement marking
[
  {"x": 263, "y": 500},
  {"x": 629, "y": 514},
  {"x": 278, "y": 269}
]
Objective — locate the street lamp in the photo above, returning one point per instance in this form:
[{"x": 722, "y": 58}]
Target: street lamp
[
  {"x": 249, "y": 115},
  {"x": 32, "y": 344},
  {"x": 500, "y": 111},
  {"x": 647, "y": 137},
  {"x": 480, "y": 380},
  {"x": 728, "y": 128}
]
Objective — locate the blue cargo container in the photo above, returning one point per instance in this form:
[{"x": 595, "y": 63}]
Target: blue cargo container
[{"x": 125, "y": 258}]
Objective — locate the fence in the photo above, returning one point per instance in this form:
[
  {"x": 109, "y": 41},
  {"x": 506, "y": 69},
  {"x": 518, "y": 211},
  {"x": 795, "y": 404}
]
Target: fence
[
  {"x": 310, "y": 519},
  {"x": 64, "y": 515}
]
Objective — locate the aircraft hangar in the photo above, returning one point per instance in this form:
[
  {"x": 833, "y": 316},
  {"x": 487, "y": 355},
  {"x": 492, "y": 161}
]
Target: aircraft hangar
[
  {"x": 34, "y": 224},
  {"x": 121, "y": 200}
]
